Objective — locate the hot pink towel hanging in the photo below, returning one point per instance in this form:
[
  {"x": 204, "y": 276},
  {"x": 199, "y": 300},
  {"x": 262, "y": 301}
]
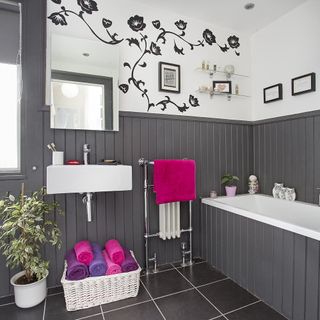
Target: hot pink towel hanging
[{"x": 174, "y": 180}]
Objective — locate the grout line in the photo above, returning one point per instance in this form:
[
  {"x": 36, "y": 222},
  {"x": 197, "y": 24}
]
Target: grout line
[
  {"x": 213, "y": 282},
  {"x": 87, "y": 317},
  {"x": 221, "y": 313},
  {"x": 153, "y": 300},
  {"x": 54, "y": 294},
  {"x": 102, "y": 313},
  {"x": 44, "y": 309},
  {"x": 172, "y": 294},
  {"x": 127, "y": 306},
  {"x": 6, "y": 304},
  {"x": 248, "y": 305}
]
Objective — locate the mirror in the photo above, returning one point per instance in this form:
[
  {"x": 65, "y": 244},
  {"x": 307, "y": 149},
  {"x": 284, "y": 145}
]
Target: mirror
[{"x": 83, "y": 74}]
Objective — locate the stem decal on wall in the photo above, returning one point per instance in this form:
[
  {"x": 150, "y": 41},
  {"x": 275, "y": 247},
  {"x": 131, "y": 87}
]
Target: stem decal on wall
[{"x": 146, "y": 47}]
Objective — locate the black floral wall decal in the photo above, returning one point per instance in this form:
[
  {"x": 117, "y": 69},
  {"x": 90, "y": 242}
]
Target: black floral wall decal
[{"x": 141, "y": 41}]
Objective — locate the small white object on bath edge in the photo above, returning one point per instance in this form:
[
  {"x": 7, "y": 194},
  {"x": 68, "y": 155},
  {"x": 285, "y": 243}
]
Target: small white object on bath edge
[{"x": 295, "y": 216}]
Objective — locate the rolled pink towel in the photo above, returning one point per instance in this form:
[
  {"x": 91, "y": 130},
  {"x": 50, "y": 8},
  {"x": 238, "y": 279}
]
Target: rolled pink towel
[
  {"x": 83, "y": 252},
  {"x": 112, "y": 268},
  {"x": 115, "y": 251}
]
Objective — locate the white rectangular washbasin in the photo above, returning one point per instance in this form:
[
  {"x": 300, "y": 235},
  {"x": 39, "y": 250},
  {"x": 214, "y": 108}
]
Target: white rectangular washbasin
[{"x": 88, "y": 178}]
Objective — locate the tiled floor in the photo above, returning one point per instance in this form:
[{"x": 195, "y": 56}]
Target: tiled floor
[{"x": 198, "y": 292}]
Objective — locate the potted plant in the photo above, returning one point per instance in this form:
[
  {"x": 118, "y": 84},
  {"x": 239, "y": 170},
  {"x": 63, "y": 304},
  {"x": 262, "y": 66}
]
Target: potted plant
[
  {"x": 229, "y": 181},
  {"x": 24, "y": 229}
]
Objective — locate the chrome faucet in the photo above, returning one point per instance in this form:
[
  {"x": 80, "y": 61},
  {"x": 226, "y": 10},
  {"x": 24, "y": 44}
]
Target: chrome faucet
[{"x": 86, "y": 151}]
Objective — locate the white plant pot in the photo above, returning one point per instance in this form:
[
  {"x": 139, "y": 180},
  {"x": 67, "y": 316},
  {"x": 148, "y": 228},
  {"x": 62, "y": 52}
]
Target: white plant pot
[{"x": 29, "y": 295}]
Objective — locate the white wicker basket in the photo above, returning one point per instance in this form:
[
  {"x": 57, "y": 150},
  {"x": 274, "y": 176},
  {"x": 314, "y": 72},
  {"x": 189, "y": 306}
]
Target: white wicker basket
[{"x": 90, "y": 292}]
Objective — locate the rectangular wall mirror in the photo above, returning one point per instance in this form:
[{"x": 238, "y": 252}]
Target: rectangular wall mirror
[{"x": 82, "y": 78}]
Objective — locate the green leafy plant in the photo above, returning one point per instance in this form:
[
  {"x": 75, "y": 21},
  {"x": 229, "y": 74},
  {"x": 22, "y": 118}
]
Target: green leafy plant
[
  {"x": 24, "y": 229},
  {"x": 229, "y": 180}
]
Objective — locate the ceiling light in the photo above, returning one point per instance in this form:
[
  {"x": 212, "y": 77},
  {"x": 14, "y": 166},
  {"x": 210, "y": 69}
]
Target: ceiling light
[{"x": 249, "y": 6}]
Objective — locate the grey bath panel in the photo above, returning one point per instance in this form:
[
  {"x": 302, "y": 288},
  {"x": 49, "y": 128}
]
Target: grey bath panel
[{"x": 278, "y": 266}]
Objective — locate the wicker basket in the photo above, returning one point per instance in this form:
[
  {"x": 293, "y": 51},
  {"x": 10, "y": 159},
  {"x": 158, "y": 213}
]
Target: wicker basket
[{"x": 90, "y": 292}]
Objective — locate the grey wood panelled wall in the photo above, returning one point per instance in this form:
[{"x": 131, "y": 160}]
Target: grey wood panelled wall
[
  {"x": 216, "y": 146},
  {"x": 278, "y": 266},
  {"x": 288, "y": 150}
]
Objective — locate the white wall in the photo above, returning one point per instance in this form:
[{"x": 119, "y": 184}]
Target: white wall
[
  {"x": 287, "y": 48},
  {"x": 120, "y": 11}
]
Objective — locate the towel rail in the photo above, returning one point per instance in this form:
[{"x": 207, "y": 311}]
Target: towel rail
[{"x": 147, "y": 235}]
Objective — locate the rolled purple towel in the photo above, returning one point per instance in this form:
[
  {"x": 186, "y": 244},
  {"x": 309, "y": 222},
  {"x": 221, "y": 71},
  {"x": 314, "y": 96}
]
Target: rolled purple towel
[
  {"x": 75, "y": 270},
  {"x": 98, "y": 266},
  {"x": 129, "y": 263}
]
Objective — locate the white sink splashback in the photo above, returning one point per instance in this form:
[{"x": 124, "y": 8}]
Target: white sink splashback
[{"x": 88, "y": 178}]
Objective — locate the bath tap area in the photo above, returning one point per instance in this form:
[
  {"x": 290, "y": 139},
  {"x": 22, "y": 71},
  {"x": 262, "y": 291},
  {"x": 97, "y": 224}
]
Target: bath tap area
[{"x": 159, "y": 160}]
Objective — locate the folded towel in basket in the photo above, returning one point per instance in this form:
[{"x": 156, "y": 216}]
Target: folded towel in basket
[
  {"x": 174, "y": 180},
  {"x": 75, "y": 270},
  {"x": 98, "y": 266},
  {"x": 115, "y": 251},
  {"x": 112, "y": 268},
  {"x": 129, "y": 264},
  {"x": 84, "y": 252}
]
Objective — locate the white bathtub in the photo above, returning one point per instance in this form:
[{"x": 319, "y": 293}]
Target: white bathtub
[{"x": 297, "y": 217}]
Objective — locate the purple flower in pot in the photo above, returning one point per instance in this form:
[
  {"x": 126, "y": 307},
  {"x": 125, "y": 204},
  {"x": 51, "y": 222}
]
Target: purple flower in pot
[{"x": 230, "y": 181}]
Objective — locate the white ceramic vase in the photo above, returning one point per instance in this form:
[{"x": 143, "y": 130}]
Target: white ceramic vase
[{"x": 29, "y": 295}]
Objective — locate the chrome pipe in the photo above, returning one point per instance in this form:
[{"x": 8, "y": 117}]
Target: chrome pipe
[
  {"x": 190, "y": 232},
  {"x": 146, "y": 220}
]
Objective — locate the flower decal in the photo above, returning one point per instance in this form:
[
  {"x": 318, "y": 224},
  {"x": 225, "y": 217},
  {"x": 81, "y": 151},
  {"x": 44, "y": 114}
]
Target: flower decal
[
  {"x": 194, "y": 102},
  {"x": 156, "y": 24},
  {"x": 106, "y": 23},
  {"x": 136, "y": 23},
  {"x": 155, "y": 49},
  {"x": 209, "y": 37},
  {"x": 181, "y": 25},
  {"x": 57, "y": 1},
  {"x": 124, "y": 88},
  {"x": 88, "y": 5},
  {"x": 58, "y": 18},
  {"x": 233, "y": 42}
]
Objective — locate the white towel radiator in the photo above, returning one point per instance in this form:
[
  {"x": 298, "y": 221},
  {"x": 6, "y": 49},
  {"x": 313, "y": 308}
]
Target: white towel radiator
[{"x": 146, "y": 186}]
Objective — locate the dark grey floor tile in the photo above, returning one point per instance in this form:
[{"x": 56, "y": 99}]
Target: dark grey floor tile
[
  {"x": 227, "y": 295},
  {"x": 141, "y": 297},
  {"x": 12, "y": 312},
  {"x": 56, "y": 309},
  {"x": 55, "y": 290},
  {"x": 6, "y": 300},
  {"x": 199, "y": 274},
  {"x": 143, "y": 311},
  {"x": 187, "y": 305},
  {"x": 160, "y": 268},
  {"x": 164, "y": 283},
  {"x": 258, "y": 311}
]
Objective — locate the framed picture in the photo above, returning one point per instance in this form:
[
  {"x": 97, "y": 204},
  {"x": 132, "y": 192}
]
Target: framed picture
[
  {"x": 169, "y": 77},
  {"x": 273, "y": 93},
  {"x": 222, "y": 86},
  {"x": 303, "y": 84}
]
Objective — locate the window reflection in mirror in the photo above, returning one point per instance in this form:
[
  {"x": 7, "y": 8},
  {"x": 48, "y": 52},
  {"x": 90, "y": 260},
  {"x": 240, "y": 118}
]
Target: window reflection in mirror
[{"x": 10, "y": 87}]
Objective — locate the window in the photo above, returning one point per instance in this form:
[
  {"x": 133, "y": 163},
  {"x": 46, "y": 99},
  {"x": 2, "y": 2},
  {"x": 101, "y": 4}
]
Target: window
[{"x": 9, "y": 88}]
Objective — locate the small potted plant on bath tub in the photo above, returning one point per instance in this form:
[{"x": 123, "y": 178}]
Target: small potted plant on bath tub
[
  {"x": 230, "y": 181},
  {"x": 24, "y": 229}
]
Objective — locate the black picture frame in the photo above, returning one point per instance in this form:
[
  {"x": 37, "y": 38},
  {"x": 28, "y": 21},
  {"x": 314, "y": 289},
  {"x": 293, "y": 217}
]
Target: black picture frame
[
  {"x": 273, "y": 93},
  {"x": 216, "y": 83},
  {"x": 302, "y": 82},
  {"x": 169, "y": 77}
]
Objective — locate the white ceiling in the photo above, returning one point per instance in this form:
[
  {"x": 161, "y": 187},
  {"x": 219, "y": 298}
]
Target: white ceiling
[{"x": 229, "y": 13}]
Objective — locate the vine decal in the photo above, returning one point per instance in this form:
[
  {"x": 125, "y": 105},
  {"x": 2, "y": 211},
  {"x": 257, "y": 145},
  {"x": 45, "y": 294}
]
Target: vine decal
[{"x": 146, "y": 47}]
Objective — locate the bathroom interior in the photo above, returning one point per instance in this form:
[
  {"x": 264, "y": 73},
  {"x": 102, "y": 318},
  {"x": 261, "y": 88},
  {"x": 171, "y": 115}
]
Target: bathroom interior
[{"x": 159, "y": 159}]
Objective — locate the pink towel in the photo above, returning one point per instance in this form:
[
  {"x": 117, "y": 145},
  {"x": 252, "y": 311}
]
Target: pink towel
[
  {"x": 83, "y": 252},
  {"x": 112, "y": 268},
  {"x": 115, "y": 251},
  {"x": 174, "y": 180}
]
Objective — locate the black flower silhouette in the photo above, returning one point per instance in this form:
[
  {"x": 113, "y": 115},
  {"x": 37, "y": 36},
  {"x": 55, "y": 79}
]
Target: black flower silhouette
[
  {"x": 136, "y": 23},
  {"x": 209, "y": 37},
  {"x": 106, "y": 23},
  {"x": 181, "y": 25},
  {"x": 155, "y": 49},
  {"x": 57, "y": 1},
  {"x": 193, "y": 101},
  {"x": 156, "y": 24},
  {"x": 124, "y": 88},
  {"x": 88, "y": 5},
  {"x": 58, "y": 18},
  {"x": 233, "y": 42}
]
